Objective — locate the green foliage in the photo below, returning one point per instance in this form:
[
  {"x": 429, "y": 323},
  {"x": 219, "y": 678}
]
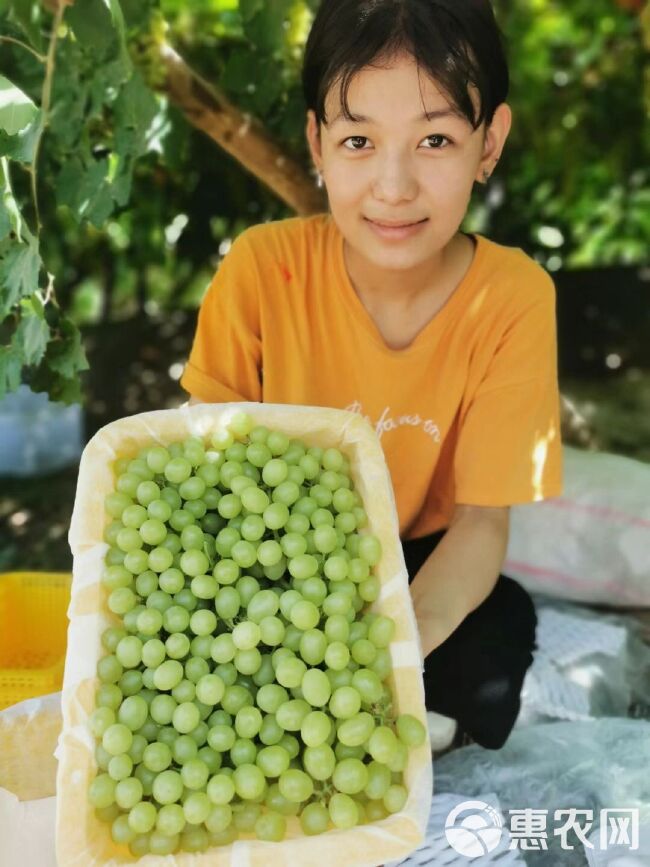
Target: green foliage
[{"x": 112, "y": 204}]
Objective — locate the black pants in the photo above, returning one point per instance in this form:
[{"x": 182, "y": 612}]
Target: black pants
[{"x": 476, "y": 675}]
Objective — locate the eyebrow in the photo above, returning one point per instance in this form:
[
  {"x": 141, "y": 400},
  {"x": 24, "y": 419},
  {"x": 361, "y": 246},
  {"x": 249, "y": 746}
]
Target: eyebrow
[{"x": 426, "y": 115}]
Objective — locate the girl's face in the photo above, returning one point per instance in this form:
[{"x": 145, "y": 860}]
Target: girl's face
[{"x": 396, "y": 166}]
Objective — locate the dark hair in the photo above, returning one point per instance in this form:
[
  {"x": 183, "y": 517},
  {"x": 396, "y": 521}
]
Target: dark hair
[{"x": 458, "y": 42}]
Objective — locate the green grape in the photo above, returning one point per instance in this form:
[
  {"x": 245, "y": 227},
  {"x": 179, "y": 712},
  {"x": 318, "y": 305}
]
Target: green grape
[
  {"x": 273, "y": 760},
  {"x": 157, "y": 757},
  {"x": 108, "y": 695},
  {"x": 194, "y": 774},
  {"x": 194, "y": 839},
  {"x": 246, "y": 635},
  {"x": 203, "y": 622},
  {"x": 227, "y": 571},
  {"x": 315, "y": 728},
  {"x": 356, "y": 730},
  {"x": 102, "y": 791},
  {"x": 117, "y": 739},
  {"x": 271, "y": 826},
  {"x": 343, "y": 811},
  {"x": 128, "y": 793},
  {"x": 350, "y": 776},
  {"x": 210, "y": 689},
  {"x": 194, "y": 563},
  {"x": 337, "y": 655},
  {"x": 219, "y": 818},
  {"x": 275, "y": 801},
  {"x": 395, "y": 798},
  {"x": 379, "y": 780},
  {"x": 133, "y": 712},
  {"x": 382, "y": 744},
  {"x": 249, "y": 781},
  {"x": 243, "y": 752},
  {"x": 168, "y": 787},
  {"x": 246, "y": 815},
  {"x": 316, "y": 687},
  {"x": 313, "y": 646},
  {"x": 186, "y": 717},
  {"x": 221, "y": 789},
  {"x": 278, "y": 443},
  {"x": 410, "y": 730},
  {"x": 368, "y": 685},
  {"x": 295, "y": 785},
  {"x": 142, "y": 817},
  {"x": 248, "y": 721},
  {"x": 314, "y": 819},
  {"x": 160, "y": 559},
  {"x": 319, "y": 761},
  {"x": 221, "y": 738},
  {"x": 276, "y": 516},
  {"x": 304, "y": 614},
  {"x": 287, "y": 493},
  {"x": 345, "y": 702},
  {"x": 269, "y": 553},
  {"x": 121, "y": 831},
  {"x": 145, "y": 584},
  {"x": 290, "y": 672},
  {"x": 163, "y": 844},
  {"x": 168, "y": 674},
  {"x": 400, "y": 758}
]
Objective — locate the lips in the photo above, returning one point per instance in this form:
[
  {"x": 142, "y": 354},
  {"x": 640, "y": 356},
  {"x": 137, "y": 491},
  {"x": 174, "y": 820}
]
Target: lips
[{"x": 394, "y": 225}]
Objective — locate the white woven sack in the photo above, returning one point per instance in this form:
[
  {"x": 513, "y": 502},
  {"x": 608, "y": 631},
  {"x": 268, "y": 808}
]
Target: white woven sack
[{"x": 592, "y": 544}]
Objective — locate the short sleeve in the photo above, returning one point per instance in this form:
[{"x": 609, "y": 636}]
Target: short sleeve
[
  {"x": 509, "y": 446},
  {"x": 226, "y": 356}
]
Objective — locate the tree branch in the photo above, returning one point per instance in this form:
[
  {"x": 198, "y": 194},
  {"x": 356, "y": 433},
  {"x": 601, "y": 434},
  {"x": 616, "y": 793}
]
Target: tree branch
[{"x": 241, "y": 135}]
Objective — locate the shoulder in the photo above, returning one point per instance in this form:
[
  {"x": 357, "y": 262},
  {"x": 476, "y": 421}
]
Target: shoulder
[
  {"x": 288, "y": 233},
  {"x": 516, "y": 276}
]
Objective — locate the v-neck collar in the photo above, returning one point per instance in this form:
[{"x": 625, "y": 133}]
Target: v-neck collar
[{"x": 364, "y": 318}]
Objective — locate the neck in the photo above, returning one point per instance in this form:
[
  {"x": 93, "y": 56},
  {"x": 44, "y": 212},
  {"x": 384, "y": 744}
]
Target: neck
[{"x": 402, "y": 287}]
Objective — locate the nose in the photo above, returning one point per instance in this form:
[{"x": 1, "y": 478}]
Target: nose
[{"x": 394, "y": 182}]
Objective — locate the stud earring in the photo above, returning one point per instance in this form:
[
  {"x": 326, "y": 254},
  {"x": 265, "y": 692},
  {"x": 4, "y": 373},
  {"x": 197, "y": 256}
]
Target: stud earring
[{"x": 319, "y": 179}]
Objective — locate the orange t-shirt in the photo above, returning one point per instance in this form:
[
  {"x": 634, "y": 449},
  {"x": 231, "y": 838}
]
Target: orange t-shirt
[{"x": 468, "y": 413}]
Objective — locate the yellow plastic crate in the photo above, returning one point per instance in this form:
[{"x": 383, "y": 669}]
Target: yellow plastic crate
[{"x": 33, "y": 631}]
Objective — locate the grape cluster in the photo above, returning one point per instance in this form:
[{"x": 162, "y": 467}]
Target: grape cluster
[{"x": 246, "y": 681}]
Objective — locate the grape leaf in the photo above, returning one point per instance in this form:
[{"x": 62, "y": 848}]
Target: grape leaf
[
  {"x": 21, "y": 145},
  {"x": 31, "y": 337},
  {"x": 11, "y": 364},
  {"x": 16, "y": 108},
  {"x": 65, "y": 354},
  {"x": 19, "y": 267}
]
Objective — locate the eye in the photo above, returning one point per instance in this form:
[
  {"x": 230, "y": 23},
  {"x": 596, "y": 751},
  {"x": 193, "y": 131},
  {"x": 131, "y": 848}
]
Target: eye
[
  {"x": 354, "y": 138},
  {"x": 438, "y": 139}
]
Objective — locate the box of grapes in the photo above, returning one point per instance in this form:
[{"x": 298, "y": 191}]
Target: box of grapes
[{"x": 243, "y": 678}]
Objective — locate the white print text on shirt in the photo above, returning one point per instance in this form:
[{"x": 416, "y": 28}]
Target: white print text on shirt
[{"x": 387, "y": 423}]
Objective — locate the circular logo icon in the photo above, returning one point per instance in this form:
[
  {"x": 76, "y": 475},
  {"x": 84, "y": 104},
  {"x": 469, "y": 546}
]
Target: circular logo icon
[{"x": 473, "y": 828}]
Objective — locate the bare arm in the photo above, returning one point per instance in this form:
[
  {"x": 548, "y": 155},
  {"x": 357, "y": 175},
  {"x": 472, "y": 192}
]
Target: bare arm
[
  {"x": 194, "y": 400},
  {"x": 460, "y": 572}
]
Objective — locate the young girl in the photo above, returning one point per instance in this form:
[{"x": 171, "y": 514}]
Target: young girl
[{"x": 444, "y": 340}]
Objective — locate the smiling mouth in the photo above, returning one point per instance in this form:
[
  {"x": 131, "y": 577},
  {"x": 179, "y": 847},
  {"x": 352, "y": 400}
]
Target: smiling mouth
[{"x": 395, "y": 225}]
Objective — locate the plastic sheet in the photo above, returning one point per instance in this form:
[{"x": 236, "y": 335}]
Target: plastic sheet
[
  {"x": 584, "y": 765},
  {"x": 588, "y": 664},
  {"x": 81, "y": 839},
  {"x": 38, "y": 435}
]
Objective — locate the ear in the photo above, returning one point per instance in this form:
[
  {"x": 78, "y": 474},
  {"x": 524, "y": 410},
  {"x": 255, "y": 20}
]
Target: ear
[
  {"x": 494, "y": 141},
  {"x": 312, "y": 134}
]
